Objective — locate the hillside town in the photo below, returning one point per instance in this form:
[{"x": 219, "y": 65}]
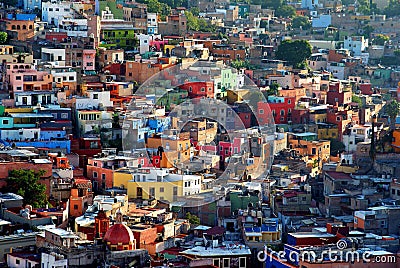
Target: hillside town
[{"x": 207, "y": 134}]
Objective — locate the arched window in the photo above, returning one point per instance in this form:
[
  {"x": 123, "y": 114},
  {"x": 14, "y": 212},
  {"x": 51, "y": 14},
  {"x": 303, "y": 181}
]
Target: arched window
[
  {"x": 13, "y": 27},
  {"x": 23, "y": 27},
  {"x": 18, "y": 27},
  {"x": 282, "y": 112}
]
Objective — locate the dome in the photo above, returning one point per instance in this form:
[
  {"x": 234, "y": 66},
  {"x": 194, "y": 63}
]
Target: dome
[{"x": 119, "y": 234}]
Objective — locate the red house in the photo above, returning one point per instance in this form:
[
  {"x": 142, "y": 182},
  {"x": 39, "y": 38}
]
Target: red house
[
  {"x": 336, "y": 94},
  {"x": 227, "y": 148},
  {"x": 281, "y": 108},
  {"x": 366, "y": 89},
  {"x": 300, "y": 116},
  {"x": 199, "y": 89}
]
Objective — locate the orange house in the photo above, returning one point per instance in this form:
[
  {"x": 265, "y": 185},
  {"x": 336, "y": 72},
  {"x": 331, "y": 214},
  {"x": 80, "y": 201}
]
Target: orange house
[
  {"x": 174, "y": 150},
  {"x": 396, "y": 140},
  {"x": 20, "y": 30},
  {"x": 81, "y": 197}
]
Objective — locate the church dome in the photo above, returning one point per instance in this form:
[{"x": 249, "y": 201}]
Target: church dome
[{"x": 119, "y": 236}]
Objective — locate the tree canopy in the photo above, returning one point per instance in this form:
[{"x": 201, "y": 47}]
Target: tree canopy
[
  {"x": 26, "y": 183},
  {"x": 285, "y": 11},
  {"x": 301, "y": 22},
  {"x": 357, "y": 99},
  {"x": 198, "y": 24},
  {"x": 337, "y": 147},
  {"x": 393, "y": 9},
  {"x": 380, "y": 39},
  {"x": 154, "y": 6},
  {"x": 393, "y": 110},
  {"x": 3, "y": 37},
  {"x": 294, "y": 52},
  {"x": 193, "y": 219}
]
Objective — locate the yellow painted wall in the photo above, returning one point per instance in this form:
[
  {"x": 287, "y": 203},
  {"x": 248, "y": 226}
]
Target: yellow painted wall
[{"x": 167, "y": 194}]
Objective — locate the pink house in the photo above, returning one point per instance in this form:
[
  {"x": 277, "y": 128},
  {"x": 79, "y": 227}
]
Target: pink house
[
  {"x": 227, "y": 149},
  {"x": 23, "y": 77},
  {"x": 157, "y": 44},
  {"x": 89, "y": 56}
]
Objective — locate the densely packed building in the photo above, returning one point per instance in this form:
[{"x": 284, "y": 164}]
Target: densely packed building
[{"x": 199, "y": 134}]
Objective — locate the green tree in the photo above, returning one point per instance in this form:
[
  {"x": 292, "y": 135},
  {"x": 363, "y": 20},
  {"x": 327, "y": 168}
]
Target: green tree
[
  {"x": 393, "y": 9},
  {"x": 192, "y": 21},
  {"x": 367, "y": 30},
  {"x": 26, "y": 183},
  {"x": 294, "y": 52},
  {"x": 301, "y": 22},
  {"x": 193, "y": 219},
  {"x": 285, "y": 12},
  {"x": 273, "y": 89},
  {"x": 154, "y": 6},
  {"x": 274, "y": 4},
  {"x": 392, "y": 110},
  {"x": 195, "y": 11},
  {"x": 357, "y": 99},
  {"x": 380, "y": 39},
  {"x": 198, "y": 24},
  {"x": 337, "y": 147},
  {"x": 3, "y": 37}
]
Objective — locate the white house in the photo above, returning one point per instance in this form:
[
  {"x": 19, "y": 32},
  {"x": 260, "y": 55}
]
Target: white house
[
  {"x": 152, "y": 23},
  {"x": 53, "y": 12},
  {"x": 356, "y": 44},
  {"x": 53, "y": 260}
]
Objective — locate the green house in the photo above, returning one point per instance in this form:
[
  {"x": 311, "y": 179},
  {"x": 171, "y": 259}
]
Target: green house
[
  {"x": 172, "y": 97},
  {"x": 120, "y": 36}
]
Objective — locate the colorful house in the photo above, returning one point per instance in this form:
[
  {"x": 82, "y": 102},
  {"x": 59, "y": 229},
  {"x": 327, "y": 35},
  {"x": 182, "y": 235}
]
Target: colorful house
[{"x": 199, "y": 89}]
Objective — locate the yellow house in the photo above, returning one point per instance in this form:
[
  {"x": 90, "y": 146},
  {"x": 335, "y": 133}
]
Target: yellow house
[
  {"x": 324, "y": 131},
  {"x": 147, "y": 183},
  {"x": 121, "y": 177},
  {"x": 236, "y": 95},
  {"x": 168, "y": 191}
]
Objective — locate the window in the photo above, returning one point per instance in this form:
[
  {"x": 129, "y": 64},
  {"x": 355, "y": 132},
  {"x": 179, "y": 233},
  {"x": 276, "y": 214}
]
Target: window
[
  {"x": 103, "y": 176},
  {"x": 18, "y": 78},
  {"x": 242, "y": 262},
  {"x": 261, "y": 111},
  {"x": 95, "y": 96},
  {"x": 71, "y": 78},
  {"x": 175, "y": 190},
  {"x": 5, "y": 121},
  {"x": 161, "y": 189},
  {"x": 152, "y": 192},
  {"x": 282, "y": 112},
  {"x": 76, "y": 207},
  {"x": 226, "y": 262},
  {"x": 94, "y": 174},
  {"x": 202, "y": 89}
]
